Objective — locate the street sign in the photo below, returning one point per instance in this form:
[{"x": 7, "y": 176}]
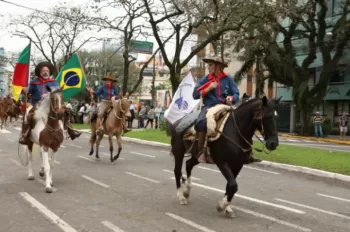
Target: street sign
[{"x": 141, "y": 47}]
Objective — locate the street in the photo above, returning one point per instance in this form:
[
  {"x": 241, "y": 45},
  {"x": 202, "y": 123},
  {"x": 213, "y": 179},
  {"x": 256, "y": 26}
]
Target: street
[{"x": 138, "y": 193}]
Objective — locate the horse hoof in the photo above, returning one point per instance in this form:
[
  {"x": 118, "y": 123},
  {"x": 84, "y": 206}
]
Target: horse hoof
[
  {"x": 229, "y": 212},
  {"x": 48, "y": 189},
  {"x": 183, "y": 201},
  {"x": 115, "y": 158},
  {"x": 97, "y": 158},
  {"x": 30, "y": 177},
  {"x": 42, "y": 174},
  {"x": 186, "y": 193},
  {"x": 91, "y": 152}
]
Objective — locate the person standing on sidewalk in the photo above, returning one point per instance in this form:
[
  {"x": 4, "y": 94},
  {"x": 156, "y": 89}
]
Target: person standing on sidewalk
[
  {"x": 343, "y": 125},
  {"x": 317, "y": 121}
]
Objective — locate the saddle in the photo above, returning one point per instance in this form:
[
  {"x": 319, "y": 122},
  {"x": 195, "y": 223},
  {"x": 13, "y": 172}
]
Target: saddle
[{"x": 216, "y": 120}]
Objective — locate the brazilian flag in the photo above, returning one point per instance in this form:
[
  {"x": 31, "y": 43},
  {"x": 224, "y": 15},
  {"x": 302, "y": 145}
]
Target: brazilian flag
[{"x": 72, "y": 77}]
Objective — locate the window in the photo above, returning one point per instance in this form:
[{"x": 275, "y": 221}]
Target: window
[{"x": 338, "y": 75}]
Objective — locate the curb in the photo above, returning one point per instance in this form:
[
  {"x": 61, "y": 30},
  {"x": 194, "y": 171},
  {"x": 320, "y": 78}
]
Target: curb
[
  {"x": 288, "y": 167},
  {"x": 315, "y": 139}
]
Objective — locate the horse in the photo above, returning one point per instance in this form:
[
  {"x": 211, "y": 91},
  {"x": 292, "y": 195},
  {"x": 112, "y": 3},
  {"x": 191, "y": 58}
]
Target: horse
[
  {"x": 47, "y": 133},
  {"x": 231, "y": 148},
  {"x": 13, "y": 112},
  {"x": 5, "y": 106},
  {"x": 112, "y": 126}
]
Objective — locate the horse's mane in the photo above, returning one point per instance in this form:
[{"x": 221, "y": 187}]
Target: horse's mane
[
  {"x": 43, "y": 110},
  {"x": 247, "y": 103}
]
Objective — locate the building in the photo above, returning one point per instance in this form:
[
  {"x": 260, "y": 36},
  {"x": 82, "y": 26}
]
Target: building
[
  {"x": 337, "y": 99},
  {"x": 3, "y": 78}
]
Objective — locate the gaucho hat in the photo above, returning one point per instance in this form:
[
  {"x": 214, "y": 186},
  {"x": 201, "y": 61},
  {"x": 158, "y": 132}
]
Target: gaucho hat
[
  {"x": 41, "y": 65},
  {"x": 109, "y": 78},
  {"x": 216, "y": 60}
]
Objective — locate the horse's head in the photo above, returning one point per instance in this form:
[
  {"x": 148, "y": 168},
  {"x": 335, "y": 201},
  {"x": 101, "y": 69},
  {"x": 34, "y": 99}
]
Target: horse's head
[
  {"x": 57, "y": 106},
  {"x": 265, "y": 118},
  {"x": 123, "y": 106}
]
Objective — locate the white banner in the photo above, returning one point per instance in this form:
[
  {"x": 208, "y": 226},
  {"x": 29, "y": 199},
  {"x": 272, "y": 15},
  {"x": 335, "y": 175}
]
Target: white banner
[{"x": 183, "y": 102}]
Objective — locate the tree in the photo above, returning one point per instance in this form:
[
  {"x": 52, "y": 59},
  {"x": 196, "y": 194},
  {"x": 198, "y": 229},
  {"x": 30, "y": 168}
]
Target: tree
[
  {"x": 56, "y": 34},
  {"x": 186, "y": 17},
  {"x": 307, "y": 24}
]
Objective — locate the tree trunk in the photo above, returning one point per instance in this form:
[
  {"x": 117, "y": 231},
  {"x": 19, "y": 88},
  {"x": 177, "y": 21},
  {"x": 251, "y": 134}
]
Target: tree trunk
[
  {"x": 126, "y": 73},
  {"x": 175, "y": 79},
  {"x": 305, "y": 121}
]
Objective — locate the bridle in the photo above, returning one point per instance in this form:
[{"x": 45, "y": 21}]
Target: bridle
[{"x": 120, "y": 109}]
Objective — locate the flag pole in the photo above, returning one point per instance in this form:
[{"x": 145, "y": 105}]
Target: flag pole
[
  {"x": 27, "y": 82},
  {"x": 83, "y": 70}
]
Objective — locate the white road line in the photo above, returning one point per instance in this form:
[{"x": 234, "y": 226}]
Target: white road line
[
  {"x": 313, "y": 208},
  {"x": 11, "y": 140},
  {"x": 190, "y": 223},
  {"x": 144, "y": 178},
  {"x": 95, "y": 181},
  {"x": 168, "y": 171},
  {"x": 73, "y": 145},
  {"x": 15, "y": 162},
  {"x": 63, "y": 146},
  {"x": 56, "y": 162},
  {"x": 336, "y": 198},
  {"x": 18, "y": 128},
  {"x": 253, "y": 199},
  {"x": 41, "y": 181},
  {"x": 165, "y": 151},
  {"x": 102, "y": 146},
  {"x": 4, "y": 131},
  {"x": 141, "y": 154},
  {"x": 111, "y": 226},
  {"x": 247, "y": 211},
  {"x": 85, "y": 158},
  {"x": 105, "y": 154},
  {"x": 292, "y": 140},
  {"x": 307, "y": 141},
  {"x": 209, "y": 169},
  {"x": 50, "y": 215},
  {"x": 261, "y": 170}
]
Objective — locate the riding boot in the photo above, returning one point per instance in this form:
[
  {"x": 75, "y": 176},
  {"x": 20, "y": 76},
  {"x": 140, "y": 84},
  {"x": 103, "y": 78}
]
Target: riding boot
[
  {"x": 252, "y": 159},
  {"x": 73, "y": 134},
  {"x": 24, "y": 139},
  {"x": 125, "y": 128},
  {"x": 201, "y": 149}
]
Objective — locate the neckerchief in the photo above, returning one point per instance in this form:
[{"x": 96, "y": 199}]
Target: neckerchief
[{"x": 211, "y": 79}]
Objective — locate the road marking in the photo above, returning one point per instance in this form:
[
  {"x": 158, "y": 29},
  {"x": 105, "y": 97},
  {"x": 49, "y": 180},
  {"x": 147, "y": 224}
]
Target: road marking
[
  {"x": 4, "y": 131},
  {"x": 41, "y": 181},
  {"x": 313, "y": 208},
  {"x": 73, "y": 145},
  {"x": 336, "y": 198},
  {"x": 111, "y": 226},
  {"x": 95, "y": 181},
  {"x": 261, "y": 170},
  {"x": 210, "y": 169},
  {"x": 50, "y": 215},
  {"x": 18, "y": 128},
  {"x": 168, "y": 171},
  {"x": 85, "y": 158},
  {"x": 141, "y": 154},
  {"x": 105, "y": 154},
  {"x": 102, "y": 146},
  {"x": 188, "y": 222},
  {"x": 292, "y": 140},
  {"x": 63, "y": 146},
  {"x": 272, "y": 219},
  {"x": 141, "y": 177},
  {"x": 253, "y": 199},
  {"x": 11, "y": 140},
  {"x": 165, "y": 151},
  {"x": 56, "y": 162},
  {"x": 15, "y": 162},
  {"x": 307, "y": 141}
]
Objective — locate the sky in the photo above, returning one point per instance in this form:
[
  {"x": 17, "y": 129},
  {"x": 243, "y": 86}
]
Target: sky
[{"x": 15, "y": 44}]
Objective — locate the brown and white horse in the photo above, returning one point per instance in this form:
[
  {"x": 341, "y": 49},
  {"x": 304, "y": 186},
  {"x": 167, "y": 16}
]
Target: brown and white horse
[
  {"x": 47, "y": 134},
  {"x": 112, "y": 127}
]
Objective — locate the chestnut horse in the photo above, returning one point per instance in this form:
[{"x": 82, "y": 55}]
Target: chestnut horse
[
  {"x": 5, "y": 106},
  {"x": 112, "y": 127},
  {"x": 13, "y": 112},
  {"x": 47, "y": 133}
]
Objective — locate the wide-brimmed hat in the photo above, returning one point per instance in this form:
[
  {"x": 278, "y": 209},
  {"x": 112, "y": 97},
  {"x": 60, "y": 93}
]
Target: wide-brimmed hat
[
  {"x": 109, "y": 78},
  {"x": 215, "y": 59},
  {"x": 41, "y": 65}
]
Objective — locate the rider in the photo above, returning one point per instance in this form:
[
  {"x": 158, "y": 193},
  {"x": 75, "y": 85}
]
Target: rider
[
  {"x": 108, "y": 93},
  {"x": 215, "y": 88},
  {"x": 37, "y": 91}
]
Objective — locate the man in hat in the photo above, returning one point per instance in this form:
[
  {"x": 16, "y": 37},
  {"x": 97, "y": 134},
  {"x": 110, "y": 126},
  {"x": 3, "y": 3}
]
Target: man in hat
[
  {"x": 108, "y": 92},
  {"x": 215, "y": 88},
  {"x": 37, "y": 91}
]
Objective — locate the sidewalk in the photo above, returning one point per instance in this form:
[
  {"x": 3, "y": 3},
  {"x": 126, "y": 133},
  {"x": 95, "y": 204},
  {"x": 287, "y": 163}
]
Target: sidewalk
[{"x": 328, "y": 139}]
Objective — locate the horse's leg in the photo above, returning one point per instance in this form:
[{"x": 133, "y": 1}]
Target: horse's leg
[
  {"x": 30, "y": 159},
  {"x": 42, "y": 169},
  {"x": 179, "y": 153},
  {"x": 188, "y": 183},
  {"x": 47, "y": 168},
  {"x": 119, "y": 143},
  {"x": 110, "y": 147},
  {"x": 93, "y": 137},
  {"x": 231, "y": 189},
  {"x": 98, "y": 141},
  {"x": 51, "y": 166}
]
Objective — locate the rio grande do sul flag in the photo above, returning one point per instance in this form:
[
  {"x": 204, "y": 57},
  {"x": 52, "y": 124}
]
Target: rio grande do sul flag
[
  {"x": 21, "y": 73},
  {"x": 72, "y": 77},
  {"x": 183, "y": 102}
]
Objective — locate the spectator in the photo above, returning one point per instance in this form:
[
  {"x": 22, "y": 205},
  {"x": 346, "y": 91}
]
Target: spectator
[
  {"x": 150, "y": 117},
  {"x": 142, "y": 115},
  {"x": 157, "y": 112},
  {"x": 343, "y": 125},
  {"x": 317, "y": 121},
  {"x": 132, "y": 112}
]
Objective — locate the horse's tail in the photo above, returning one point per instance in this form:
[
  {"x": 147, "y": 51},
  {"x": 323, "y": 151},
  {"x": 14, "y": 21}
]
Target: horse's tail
[{"x": 169, "y": 128}]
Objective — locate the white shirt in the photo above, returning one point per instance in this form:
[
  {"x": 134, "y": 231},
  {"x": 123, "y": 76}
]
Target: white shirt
[
  {"x": 69, "y": 106},
  {"x": 82, "y": 109},
  {"x": 132, "y": 107}
]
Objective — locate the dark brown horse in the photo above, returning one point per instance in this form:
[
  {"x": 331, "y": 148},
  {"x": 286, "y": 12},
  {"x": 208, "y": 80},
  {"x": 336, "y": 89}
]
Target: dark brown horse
[
  {"x": 5, "y": 105},
  {"x": 232, "y": 149},
  {"x": 112, "y": 127},
  {"x": 14, "y": 112}
]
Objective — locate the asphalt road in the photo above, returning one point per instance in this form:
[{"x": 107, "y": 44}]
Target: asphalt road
[{"x": 138, "y": 194}]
